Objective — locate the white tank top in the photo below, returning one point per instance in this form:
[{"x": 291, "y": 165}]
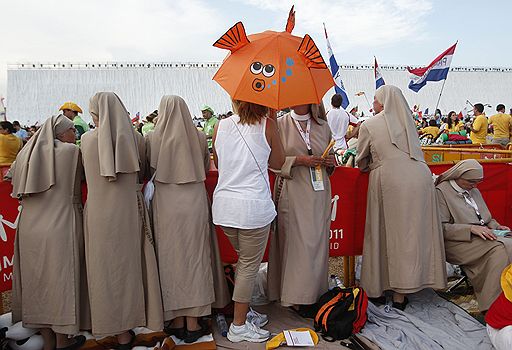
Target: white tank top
[{"x": 242, "y": 198}]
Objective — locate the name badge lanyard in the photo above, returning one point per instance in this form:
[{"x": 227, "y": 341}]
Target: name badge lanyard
[
  {"x": 471, "y": 202},
  {"x": 315, "y": 172},
  {"x": 305, "y": 134}
]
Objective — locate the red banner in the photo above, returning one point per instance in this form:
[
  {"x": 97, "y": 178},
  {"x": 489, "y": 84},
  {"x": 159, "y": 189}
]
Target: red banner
[
  {"x": 348, "y": 212},
  {"x": 8, "y": 222}
]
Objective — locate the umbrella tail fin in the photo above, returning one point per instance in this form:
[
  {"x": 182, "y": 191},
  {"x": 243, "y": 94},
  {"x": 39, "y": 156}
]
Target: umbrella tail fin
[
  {"x": 234, "y": 39},
  {"x": 311, "y": 53},
  {"x": 290, "y": 24}
]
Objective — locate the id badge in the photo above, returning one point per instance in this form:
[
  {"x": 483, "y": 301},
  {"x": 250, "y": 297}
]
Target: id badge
[{"x": 317, "y": 178}]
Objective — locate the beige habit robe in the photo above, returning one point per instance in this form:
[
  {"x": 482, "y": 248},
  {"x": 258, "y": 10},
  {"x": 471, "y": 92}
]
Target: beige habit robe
[
  {"x": 299, "y": 248},
  {"x": 403, "y": 244},
  {"x": 482, "y": 261},
  {"x": 49, "y": 280},
  {"x": 179, "y": 158},
  {"x": 122, "y": 272}
]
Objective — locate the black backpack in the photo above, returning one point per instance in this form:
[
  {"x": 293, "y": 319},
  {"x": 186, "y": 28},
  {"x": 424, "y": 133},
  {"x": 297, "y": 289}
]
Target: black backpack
[{"x": 341, "y": 313}]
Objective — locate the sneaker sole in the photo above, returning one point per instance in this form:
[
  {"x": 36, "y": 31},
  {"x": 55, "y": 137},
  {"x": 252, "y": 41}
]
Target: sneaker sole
[{"x": 238, "y": 339}]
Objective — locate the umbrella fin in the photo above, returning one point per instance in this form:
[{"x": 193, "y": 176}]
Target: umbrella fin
[
  {"x": 311, "y": 53},
  {"x": 290, "y": 24},
  {"x": 234, "y": 39}
]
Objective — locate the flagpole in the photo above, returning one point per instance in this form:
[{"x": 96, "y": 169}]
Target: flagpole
[
  {"x": 439, "y": 98},
  {"x": 366, "y": 98},
  {"x": 442, "y": 88}
]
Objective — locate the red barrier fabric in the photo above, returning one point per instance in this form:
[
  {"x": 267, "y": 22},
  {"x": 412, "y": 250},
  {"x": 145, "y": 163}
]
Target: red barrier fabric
[
  {"x": 348, "y": 212},
  {"x": 8, "y": 222}
]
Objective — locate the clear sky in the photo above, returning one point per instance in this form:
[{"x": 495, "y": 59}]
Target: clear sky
[{"x": 396, "y": 31}]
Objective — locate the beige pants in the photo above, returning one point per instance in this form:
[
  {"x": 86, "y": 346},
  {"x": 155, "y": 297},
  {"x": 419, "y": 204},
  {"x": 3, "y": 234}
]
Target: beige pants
[
  {"x": 250, "y": 247},
  {"x": 504, "y": 142}
]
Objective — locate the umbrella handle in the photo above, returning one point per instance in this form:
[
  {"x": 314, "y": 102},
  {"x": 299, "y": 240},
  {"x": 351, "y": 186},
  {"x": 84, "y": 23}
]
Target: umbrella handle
[{"x": 326, "y": 152}]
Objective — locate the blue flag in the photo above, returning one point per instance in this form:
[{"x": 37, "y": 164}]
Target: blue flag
[
  {"x": 379, "y": 80},
  {"x": 336, "y": 74}
]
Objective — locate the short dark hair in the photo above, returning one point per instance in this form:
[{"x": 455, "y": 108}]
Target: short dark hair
[
  {"x": 8, "y": 126},
  {"x": 432, "y": 122},
  {"x": 16, "y": 123},
  {"x": 336, "y": 100},
  {"x": 479, "y": 107},
  {"x": 500, "y": 107}
]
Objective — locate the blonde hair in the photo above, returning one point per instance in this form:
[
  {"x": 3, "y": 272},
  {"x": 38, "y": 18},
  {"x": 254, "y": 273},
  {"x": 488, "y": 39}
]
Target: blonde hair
[{"x": 249, "y": 113}]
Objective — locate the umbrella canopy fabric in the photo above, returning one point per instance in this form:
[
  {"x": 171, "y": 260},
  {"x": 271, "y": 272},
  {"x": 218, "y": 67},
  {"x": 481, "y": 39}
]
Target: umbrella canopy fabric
[{"x": 274, "y": 69}]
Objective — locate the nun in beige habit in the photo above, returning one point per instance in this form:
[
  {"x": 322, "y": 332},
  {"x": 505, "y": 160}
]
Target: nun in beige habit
[
  {"x": 185, "y": 245},
  {"x": 468, "y": 230},
  {"x": 49, "y": 280},
  {"x": 299, "y": 249},
  {"x": 124, "y": 287},
  {"x": 403, "y": 240}
]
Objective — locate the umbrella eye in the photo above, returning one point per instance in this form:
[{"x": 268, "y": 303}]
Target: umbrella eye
[
  {"x": 269, "y": 70},
  {"x": 256, "y": 67}
]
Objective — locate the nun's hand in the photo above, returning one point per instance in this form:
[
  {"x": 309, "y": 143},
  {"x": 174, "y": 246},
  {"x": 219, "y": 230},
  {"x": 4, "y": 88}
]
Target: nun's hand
[
  {"x": 329, "y": 161},
  {"x": 309, "y": 161},
  {"x": 483, "y": 232},
  {"x": 501, "y": 227}
]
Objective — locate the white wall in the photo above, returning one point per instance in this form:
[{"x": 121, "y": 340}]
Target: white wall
[{"x": 35, "y": 94}]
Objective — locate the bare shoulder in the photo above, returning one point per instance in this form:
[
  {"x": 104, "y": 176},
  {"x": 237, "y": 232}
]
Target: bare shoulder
[{"x": 271, "y": 125}]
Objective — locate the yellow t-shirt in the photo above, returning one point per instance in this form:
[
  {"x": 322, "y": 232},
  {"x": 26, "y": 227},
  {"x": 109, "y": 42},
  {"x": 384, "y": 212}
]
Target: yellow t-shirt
[
  {"x": 456, "y": 127},
  {"x": 10, "y": 145},
  {"x": 480, "y": 125},
  {"x": 502, "y": 124},
  {"x": 433, "y": 130}
]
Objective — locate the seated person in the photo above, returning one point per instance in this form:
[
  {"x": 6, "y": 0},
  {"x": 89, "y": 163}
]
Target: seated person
[
  {"x": 499, "y": 316},
  {"x": 431, "y": 129},
  {"x": 468, "y": 230}
]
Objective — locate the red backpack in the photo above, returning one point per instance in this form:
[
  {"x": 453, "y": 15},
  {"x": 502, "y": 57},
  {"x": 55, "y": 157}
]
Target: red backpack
[{"x": 341, "y": 313}]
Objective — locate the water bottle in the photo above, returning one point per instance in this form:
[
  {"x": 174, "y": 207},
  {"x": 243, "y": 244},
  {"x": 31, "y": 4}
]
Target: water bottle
[
  {"x": 332, "y": 282},
  {"x": 338, "y": 282},
  {"x": 222, "y": 324}
]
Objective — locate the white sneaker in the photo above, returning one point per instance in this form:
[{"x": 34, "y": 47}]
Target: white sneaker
[
  {"x": 259, "y": 320},
  {"x": 248, "y": 332}
]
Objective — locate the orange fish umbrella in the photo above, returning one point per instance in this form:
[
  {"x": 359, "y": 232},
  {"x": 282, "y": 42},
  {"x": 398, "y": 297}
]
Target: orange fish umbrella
[{"x": 273, "y": 69}]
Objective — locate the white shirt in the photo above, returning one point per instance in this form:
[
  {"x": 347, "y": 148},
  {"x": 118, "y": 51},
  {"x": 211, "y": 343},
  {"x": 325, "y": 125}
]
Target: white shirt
[
  {"x": 338, "y": 120},
  {"x": 242, "y": 198}
]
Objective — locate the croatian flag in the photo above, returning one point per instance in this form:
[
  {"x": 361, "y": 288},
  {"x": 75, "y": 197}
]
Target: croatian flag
[
  {"x": 336, "y": 74},
  {"x": 435, "y": 71},
  {"x": 379, "y": 80}
]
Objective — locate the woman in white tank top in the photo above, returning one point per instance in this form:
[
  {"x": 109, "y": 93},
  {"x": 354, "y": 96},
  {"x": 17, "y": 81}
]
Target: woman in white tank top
[{"x": 244, "y": 145}]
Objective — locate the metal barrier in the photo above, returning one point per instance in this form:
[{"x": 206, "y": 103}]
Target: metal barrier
[{"x": 489, "y": 153}]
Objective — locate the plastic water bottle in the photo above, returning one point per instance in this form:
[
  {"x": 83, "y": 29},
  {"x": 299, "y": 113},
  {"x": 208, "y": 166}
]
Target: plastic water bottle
[
  {"x": 338, "y": 282},
  {"x": 222, "y": 324},
  {"x": 332, "y": 282}
]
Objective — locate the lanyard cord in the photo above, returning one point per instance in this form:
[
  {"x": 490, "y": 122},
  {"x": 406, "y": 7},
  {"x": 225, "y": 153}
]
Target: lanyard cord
[
  {"x": 305, "y": 134},
  {"x": 471, "y": 202}
]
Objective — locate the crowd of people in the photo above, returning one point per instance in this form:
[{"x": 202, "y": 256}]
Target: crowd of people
[
  {"x": 478, "y": 129},
  {"x": 151, "y": 259}
]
